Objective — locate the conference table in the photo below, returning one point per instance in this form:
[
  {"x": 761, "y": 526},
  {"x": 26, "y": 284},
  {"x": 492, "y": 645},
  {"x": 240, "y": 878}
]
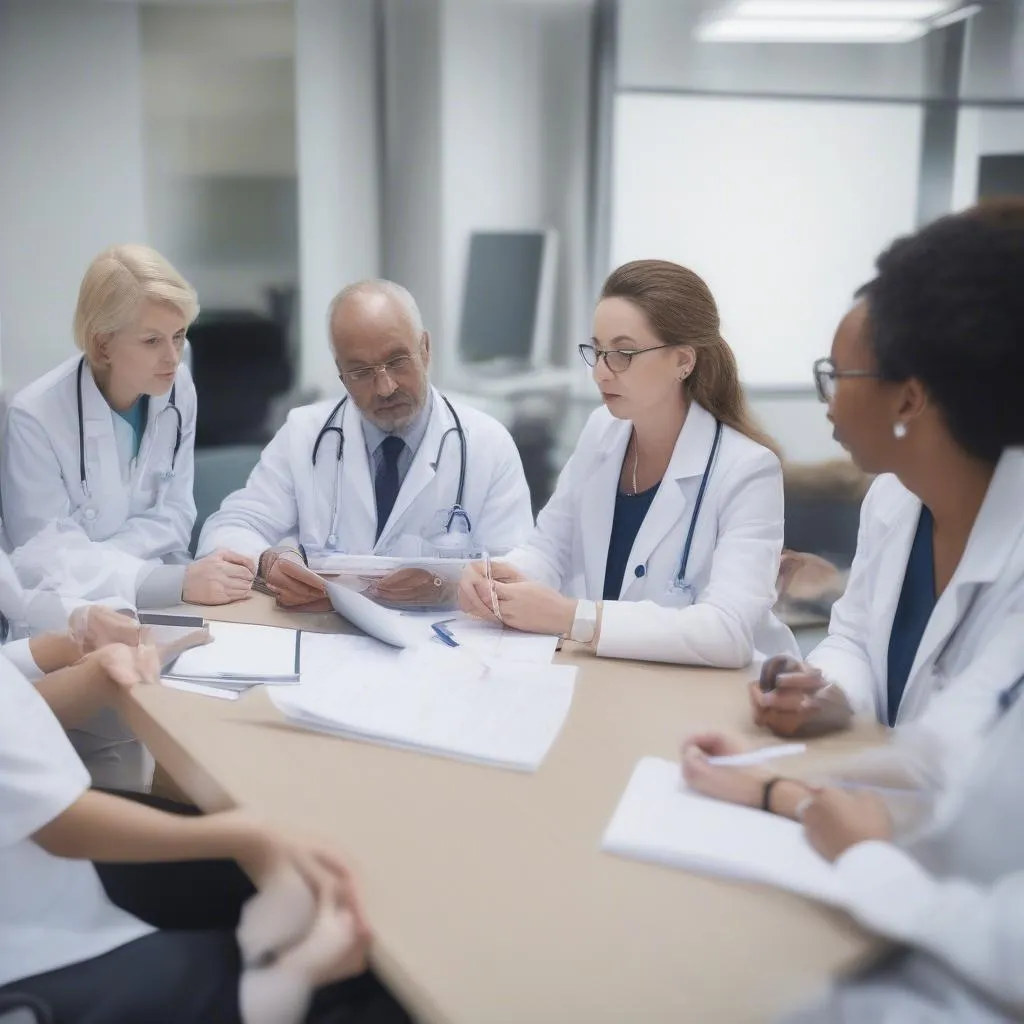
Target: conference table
[{"x": 489, "y": 896}]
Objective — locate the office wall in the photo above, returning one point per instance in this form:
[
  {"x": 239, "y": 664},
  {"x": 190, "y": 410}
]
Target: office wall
[
  {"x": 219, "y": 138},
  {"x": 71, "y": 164},
  {"x": 514, "y": 124},
  {"x": 338, "y": 166}
]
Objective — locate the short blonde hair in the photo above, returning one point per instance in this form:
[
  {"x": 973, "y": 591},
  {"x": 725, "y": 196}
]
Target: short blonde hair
[{"x": 117, "y": 282}]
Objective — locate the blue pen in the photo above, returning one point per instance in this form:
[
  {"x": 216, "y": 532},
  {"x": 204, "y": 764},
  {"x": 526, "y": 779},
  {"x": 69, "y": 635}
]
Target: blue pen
[{"x": 443, "y": 633}]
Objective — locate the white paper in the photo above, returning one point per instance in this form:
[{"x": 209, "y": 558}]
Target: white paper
[
  {"x": 660, "y": 820},
  {"x": 205, "y": 691},
  {"x": 242, "y": 653},
  {"x": 383, "y": 623},
  {"x": 488, "y": 640},
  {"x": 441, "y": 700}
]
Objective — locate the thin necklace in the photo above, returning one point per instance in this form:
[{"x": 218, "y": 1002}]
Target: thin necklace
[{"x": 636, "y": 459}]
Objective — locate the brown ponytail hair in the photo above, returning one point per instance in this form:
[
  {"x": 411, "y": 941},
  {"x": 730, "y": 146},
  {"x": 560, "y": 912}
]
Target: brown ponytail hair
[{"x": 682, "y": 311}]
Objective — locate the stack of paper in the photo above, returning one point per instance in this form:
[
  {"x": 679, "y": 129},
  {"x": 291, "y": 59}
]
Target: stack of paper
[
  {"x": 659, "y": 819},
  {"x": 435, "y": 699},
  {"x": 238, "y": 657}
]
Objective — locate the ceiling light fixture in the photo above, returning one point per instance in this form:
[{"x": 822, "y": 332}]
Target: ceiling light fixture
[
  {"x": 960, "y": 14},
  {"x": 883, "y": 10},
  {"x": 827, "y": 30}
]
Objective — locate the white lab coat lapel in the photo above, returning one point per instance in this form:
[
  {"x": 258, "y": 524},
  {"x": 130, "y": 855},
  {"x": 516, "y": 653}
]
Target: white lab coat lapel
[
  {"x": 107, "y": 494},
  {"x": 689, "y": 459},
  {"x": 597, "y": 502},
  {"x": 156, "y": 453},
  {"x": 357, "y": 505},
  {"x": 893, "y": 551},
  {"x": 995, "y": 533},
  {"x": 423, "y": 469}
]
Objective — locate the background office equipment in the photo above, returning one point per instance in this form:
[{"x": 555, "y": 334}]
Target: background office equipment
[{"x": 508, "y": 302}]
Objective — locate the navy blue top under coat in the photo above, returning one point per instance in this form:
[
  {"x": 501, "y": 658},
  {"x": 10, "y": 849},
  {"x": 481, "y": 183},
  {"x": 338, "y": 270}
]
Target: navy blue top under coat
[
  {"x": 916, "y": 604},
  {"x": 630, "y": 511}
]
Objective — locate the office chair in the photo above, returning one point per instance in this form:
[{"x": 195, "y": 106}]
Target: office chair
[
  {"x": 22, "y": 1008},
  {"x": 240, "y": 362}
]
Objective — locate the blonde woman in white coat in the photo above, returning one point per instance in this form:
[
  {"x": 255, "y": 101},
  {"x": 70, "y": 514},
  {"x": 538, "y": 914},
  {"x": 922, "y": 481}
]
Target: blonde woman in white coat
[
  {"x": 663, "y": 537},
  {"x": 96, "y": 472},
  {"x": 923, "y": 388}
]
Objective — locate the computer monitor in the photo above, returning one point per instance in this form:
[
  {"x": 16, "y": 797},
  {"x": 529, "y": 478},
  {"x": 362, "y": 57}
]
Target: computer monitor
[{"x": 508, "y": 301}]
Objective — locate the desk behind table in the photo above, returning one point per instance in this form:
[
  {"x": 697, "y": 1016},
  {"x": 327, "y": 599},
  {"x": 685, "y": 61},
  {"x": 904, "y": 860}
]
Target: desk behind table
[{"x": 489, "y": 896}]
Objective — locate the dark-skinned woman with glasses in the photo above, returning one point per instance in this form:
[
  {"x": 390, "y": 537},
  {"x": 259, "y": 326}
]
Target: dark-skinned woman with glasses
[
  {"x": 926, "y": 835},
  {"x": 663, "y": 537}
]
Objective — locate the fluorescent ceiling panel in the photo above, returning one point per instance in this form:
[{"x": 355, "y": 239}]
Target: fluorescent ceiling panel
[
  {"x": 892, "y": 10},
  {"x": 745, "y": 30}
]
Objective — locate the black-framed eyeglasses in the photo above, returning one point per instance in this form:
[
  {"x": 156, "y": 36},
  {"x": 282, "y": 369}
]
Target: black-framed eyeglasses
[
  {"x": 364, "y": 374},
  {"x": 616, "y": 359},
  {"x": 826, "y": 375}
]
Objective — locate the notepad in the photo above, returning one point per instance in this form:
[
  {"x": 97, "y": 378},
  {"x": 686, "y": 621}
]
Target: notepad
[
  {"x": 242, "y": 655},
  {"x": 659, "y": 820},
  {"x": 439, "y": 701}
]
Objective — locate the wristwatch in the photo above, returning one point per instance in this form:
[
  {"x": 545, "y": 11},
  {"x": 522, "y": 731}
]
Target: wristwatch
[{"x": 584, "y": 626}]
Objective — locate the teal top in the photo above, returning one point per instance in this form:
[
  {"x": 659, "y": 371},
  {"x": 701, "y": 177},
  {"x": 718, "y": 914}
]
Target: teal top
[{"x": 135, "y": 416}]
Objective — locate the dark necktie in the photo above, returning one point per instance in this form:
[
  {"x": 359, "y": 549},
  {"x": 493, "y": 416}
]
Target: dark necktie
[{"x": 386, "y": 484}]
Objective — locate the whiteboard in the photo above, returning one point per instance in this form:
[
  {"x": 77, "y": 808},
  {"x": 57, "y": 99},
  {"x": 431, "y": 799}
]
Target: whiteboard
[{"x": 780, "y": 205}]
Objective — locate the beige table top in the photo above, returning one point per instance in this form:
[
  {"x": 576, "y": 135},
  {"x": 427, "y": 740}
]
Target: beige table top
[{"x": 488, "y": 893}]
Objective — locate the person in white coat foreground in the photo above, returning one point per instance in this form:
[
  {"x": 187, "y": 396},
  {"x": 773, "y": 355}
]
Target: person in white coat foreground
[
  {"x": 146, "y": 933},
  {"x": 939, "y": 872},
  {"x": 663, "y": 537},
  {"x": 923, "y": 388},
  {"x": 391, "y": 468},
  {"x": 97, "y": 464}
]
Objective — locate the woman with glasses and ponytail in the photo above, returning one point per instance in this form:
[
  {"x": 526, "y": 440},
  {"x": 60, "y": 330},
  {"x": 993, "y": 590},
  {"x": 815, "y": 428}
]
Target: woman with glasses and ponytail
[{"x": 663, "y": 537}]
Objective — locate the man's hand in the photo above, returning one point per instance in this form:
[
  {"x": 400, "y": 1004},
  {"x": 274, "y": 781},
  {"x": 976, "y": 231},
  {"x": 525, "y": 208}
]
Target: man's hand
[
  {"x": 293, "y": 584},
  {"x": 219, "y": 578}
]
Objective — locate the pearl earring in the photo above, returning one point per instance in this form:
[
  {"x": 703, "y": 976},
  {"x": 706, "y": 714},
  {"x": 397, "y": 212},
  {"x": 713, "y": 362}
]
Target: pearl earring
[{"x": 899, "y": 431}]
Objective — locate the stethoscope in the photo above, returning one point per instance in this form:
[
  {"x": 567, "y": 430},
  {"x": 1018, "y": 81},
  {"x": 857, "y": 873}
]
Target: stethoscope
[
  {"x": 456, "y": 512},
  {"x": 81, "y": 431},
  {"x": 680, "y": 583}
]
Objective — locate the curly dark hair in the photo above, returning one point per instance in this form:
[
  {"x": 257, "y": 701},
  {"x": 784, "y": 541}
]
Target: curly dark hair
[{"x": 947, "y": 307}]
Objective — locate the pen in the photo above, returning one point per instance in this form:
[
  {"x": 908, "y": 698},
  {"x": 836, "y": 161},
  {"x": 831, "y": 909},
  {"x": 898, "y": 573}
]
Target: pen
[
  {"x": 752, "y": 757},
  {"x": 490, "y": 587},
  {"x": 443, "y": 633}
]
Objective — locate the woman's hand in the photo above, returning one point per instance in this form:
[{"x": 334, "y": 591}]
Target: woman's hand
[
  {"x": 125, "y": 666},
  {"x": 293, "y": 584},
  {"x": 95, "y": 625},
  {"x": 219, "y": 578},
  {"x": 836, "y": 819},
  {"x": 734, "y": 785},
  {"x": 337, "y": 944},
  {"x": 534, "y": 608},
  {"x": 477, "y": 596},
  {"x": 325, "y": 939},
  {"x": 793, "y": 698}
]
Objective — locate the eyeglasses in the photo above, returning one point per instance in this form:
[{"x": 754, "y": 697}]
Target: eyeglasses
[
  {"x": 364, "y": 374},
  {"x": 616, "y": 359},
  {"x": 826, "y": 375}
]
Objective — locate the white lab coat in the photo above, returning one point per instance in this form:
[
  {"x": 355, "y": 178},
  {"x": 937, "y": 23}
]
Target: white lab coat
[
  {"x": 969, "y": 640},
  {"x": 331, "y": 509},
  {"x": 103, "y": 541},
  {"x": 734, "y": 558},
  {"x": 114, "y": 758},
  {"x": 53, "y": 911},
  {"x": 953, "y": 898}
]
